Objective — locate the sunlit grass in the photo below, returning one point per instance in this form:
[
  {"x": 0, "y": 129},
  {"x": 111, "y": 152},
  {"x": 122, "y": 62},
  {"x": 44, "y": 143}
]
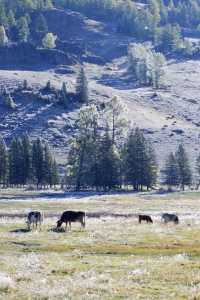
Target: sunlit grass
[{"x": 113, "y": 258}]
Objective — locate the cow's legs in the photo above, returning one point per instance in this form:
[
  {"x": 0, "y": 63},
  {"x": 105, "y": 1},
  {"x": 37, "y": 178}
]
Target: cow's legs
[
  {"x": 70, "y": 227},
  {"x": 66, "y": 226},
  {"x": 83, "y": 223}
]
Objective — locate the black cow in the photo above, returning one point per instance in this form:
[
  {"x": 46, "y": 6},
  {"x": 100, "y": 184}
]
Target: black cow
[
  {"x": 170, "y": 218},
  {"x": 71, "y": 216},
  {"x": 34, "y": 218},
  {"x": 148, "y": 219}
]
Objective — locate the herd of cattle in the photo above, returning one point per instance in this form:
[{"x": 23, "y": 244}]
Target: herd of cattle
[{"x": 36, "y": 218}]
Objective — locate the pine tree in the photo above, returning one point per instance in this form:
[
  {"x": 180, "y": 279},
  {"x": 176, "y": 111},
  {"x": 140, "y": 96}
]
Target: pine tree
[
  {"x": 109, "y": 164},
  {"x": 3, "y": 17},
  {"x": 48, "y": 86},
  {"x": 54, "y": 174},
  {"x": 26, "y": 160},
  {"x": 41, "y": 27},
  {"x": 130, "y": 161},
  {"x": 184, "y": 167},
  {"x": 82, "y": 154},
  {"x": 82, "y": 87},
  {"x": 3, "y": 163},
  {"x": 11, "y": 19},
  {"x": 139, "y": 161},
  {"x": 38, "y": 162},
  {"x": 23, "y": 29},
  {"x": 15, "y": 162},
  {"x": 171, "y": 171},
  {"x": 151, "y": 172},
  {"x": 198, "y": 170},
  {"x": 47, "y": 166},
  {"x": 25, "y": 85},
  {"x": 64, "y": 95}
]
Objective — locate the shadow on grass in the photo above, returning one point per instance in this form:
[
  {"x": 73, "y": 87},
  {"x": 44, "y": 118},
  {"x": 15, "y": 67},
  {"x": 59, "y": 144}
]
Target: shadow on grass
[
  {"x": 57, "y": 230},
  {"x": 20, "y": 230},
  {"x": 24, "y": 244}
]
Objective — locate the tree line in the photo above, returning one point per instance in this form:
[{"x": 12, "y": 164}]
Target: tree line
[
  {"x": 26, "y": 162},
  {"x": 98, "y": 158},
  {"x": 157, "y": 20},
  {"x": 18, "y": 24},
  {"x": 106, "y": 154}
]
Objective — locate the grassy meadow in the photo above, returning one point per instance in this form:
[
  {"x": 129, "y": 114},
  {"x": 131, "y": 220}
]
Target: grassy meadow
[{"x": 112, "y": 258}]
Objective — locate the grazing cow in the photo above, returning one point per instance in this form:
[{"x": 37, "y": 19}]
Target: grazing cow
[
  {"x": 34, "y": 218},
  {"x": 71, "y": 216},
  {"x": 170, "y": 218},
  {"x": 148, "y": 219}
]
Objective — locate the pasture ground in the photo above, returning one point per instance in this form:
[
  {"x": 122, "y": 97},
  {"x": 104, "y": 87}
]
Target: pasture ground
[{"x": 113, "y": 258}]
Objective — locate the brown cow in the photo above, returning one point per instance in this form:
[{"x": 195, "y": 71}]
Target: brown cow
[
  {"x": 71, "y": 216},
  {"x": 146, "y": 218}
]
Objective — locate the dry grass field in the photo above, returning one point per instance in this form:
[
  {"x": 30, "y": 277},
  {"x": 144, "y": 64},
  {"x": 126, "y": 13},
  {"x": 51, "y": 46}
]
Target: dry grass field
[{"x": 112, "y": 258}]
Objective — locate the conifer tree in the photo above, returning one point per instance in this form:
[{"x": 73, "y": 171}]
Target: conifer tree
[
  {"x": 198, "y": 170},
  {"x": 47, "y": 166},
  {"x": 171, "y": 171},
  {"x": 38, "y": 162},
  {"x": 15, "y": 162},
  {"x": 82, "y": 87},
  {"x": 139, "y": 161},
  {"x": 64, "y": 95},
  {"x": 3, "y": 17},
  {"x": 3, "y": 164},
  {"x": 109, "y": 164},
  {"x": 25, "y": 85},
  {"x": 11, "y": 19},
  {"x": 26, "y": 160},
  {"x": 184, "y": 167},
  {"x": 82, "y": 154},
  {"x": 54, "y": 174},
  {"x": 41, "y": 27},
  {"x": 23, "y": 29}
]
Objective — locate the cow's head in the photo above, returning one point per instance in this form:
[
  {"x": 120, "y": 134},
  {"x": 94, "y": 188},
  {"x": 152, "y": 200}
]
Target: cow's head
[{"x": 59, "y": 223}]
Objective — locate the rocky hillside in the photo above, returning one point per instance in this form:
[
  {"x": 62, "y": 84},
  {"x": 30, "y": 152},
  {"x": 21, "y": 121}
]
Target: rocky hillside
[{"x": 168, "y": 116}]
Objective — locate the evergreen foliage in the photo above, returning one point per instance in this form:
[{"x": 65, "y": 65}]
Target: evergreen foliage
[
  {"x": 25, "y": 162},
  {"x": 82, "y": 87},
  {"x": 3, "y": 164},
  {"x": 171, "y": 172},
  {"x": 185, "y": 172},
  {"x": 140, "y": 165}
]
